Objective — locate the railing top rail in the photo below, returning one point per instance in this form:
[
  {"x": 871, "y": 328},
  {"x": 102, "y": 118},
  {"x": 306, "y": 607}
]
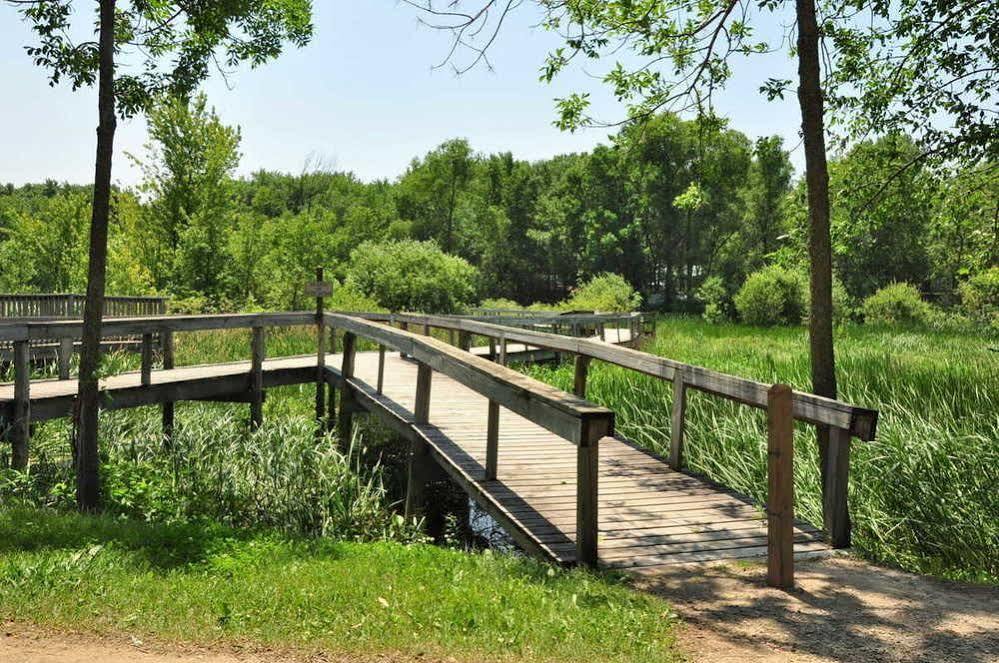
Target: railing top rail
[
  {"x": 560, "y": 412},
  {"x": 808, "y": 407},
  {"x": 118, "y": 298},
  {"x": 55, "y": 329}
]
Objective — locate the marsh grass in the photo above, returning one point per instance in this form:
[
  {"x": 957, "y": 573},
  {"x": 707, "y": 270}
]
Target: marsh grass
[{"x": 924, "y": 496}]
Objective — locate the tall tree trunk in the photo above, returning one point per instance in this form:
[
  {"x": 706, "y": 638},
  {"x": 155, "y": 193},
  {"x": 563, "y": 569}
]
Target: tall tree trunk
[
  {"x": 87, "y": 477},
  {"x": 817, "y": 180},
  {"x": 819, "y": 243}
]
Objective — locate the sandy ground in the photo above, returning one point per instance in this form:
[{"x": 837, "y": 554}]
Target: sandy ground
[{"x": 843, "y": 610}]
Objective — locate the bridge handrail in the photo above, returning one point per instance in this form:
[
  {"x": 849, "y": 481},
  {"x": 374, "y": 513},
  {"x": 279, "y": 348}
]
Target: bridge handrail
[
  {"x": 817, "y": 410},
  {"x": 558, "y": 411}
]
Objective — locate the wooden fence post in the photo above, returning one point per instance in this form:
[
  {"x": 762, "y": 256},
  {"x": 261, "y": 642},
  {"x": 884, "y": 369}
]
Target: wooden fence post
[
  {"x": 166, "y": 341},
  {"x": 502, "y": 356},
  {"x": 464, "y": 341},
  {"x": 835, "y": 481},
  {"x": 780, "y": 488},
  {"x": 320, "y": 353},
  {"x": 587, "y": 481},
  {"x": 420, "y": 462},
  {"x": 331, "y": 394},
  {"x": 345, "y": 420},
  {"x": 582, "y": 370},
  {"x": 381, "y": 369},
  {"x": 65, "y": 357},
  {"x": 257, "y": 377},
  {"x": 21, "y": 429},
  {"x": 679, "y": 420},
  {"x": 146, "y": 366},
  {"x": 492, "y": 440},
  {"x": 492, "y": 349}
]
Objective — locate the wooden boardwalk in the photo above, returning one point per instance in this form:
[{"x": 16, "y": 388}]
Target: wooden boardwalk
[{"x": 648, "y": 514}]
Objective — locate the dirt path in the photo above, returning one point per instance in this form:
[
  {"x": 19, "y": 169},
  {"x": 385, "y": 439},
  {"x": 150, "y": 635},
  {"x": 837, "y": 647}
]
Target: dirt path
[
  {"x": 842, "y": 610},
  {"x": 21, "y": 644}
]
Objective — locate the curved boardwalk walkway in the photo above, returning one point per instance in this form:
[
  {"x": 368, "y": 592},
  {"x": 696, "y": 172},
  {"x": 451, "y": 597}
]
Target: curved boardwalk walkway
[{"x": 649, "y": 515}]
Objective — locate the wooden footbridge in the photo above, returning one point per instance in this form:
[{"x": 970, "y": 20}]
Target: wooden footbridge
[{"x": 546, "y": 464}]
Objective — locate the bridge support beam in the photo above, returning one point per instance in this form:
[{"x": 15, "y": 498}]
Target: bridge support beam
[
  {"x": 835, "y": 466},
  {"x": 166, "y": 343},
  {"x": 21, "y": 424}
]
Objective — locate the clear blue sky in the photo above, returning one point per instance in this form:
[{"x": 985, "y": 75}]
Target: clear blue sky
[{"x": 362, "y": 94}]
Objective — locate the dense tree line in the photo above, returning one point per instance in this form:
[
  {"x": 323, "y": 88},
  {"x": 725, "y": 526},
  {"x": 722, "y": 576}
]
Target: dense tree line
[{"x": 667, "y": 205}]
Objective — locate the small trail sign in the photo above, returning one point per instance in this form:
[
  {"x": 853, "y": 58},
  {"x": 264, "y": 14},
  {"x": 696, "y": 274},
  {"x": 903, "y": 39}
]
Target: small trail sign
[{"x": 318, "y": 289}]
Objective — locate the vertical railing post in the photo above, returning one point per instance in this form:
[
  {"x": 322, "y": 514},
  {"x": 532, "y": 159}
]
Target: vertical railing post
[
  {"x": 780, "y": 488},
  {"x": 492, "y": 440},
  {"x": 166, "y": 341},
  {"x": 502, "y": 356},
  {"x": 587, "y": 483},
  {"x": 464, "y": 340},
  {"x": 579, "y": 380},
  {"x": 678, "y": 421},
  {"x": 146, "y": 366},
  {"x": 65, "y": 357},
  {"x": 257, "y": 377},
  {"x": 835, "y": 481},
  {"x": 331, "y": 394},
  {"x": 602, "y": 331},
  {"x": 381, "y": 369},
  {"x": 21, "y": 429},
  {"x": 420, "y": 463},
  {"x": 320, "y": 352},
  {"x": 492, "y": 349},
  {"x": 345, "y": 420}
]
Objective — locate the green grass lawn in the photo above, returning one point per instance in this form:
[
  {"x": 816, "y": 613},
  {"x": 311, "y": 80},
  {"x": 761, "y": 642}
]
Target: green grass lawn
[
  {"x": 923, "y": 496},
  {"x": 209, "y": 584}
]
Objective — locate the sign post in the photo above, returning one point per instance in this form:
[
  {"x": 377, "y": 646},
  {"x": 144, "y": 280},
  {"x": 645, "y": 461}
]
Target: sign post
[{"x": 320, "y": 289}]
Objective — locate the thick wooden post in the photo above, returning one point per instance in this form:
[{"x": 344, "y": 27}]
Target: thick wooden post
[
  {"x": 146, "y": 370},
  {"x": 345, "y": 420},
  {"x": 166, "y": 341},
  {"x": 492, "y": 440},
  {"x": 21, "y": 426},
  {"x": 582, "y": 370},
  {"x": 587, "y": 465},
  {"x": 381, "y": 369},
  {"x": 331, "y": 393},
  {"x": 320, "y": 353},
  {"x": 450, "y": 336},
  {"x": 426, "y": 329},
  {"x": 780, "y": 488},
  {"x": 465, "y": 341},
  {"x": 257, "y": 377},
  {"x": 65, "y": 356},
  {"x": 492, "y": 349},
  {"x": 835, "y": 480},
  {"x": 602, "y": 331},
  {"x": 502, "y": 356},
  {"x": 420, "y": 461},
  {"x": 679, "y": 419}
]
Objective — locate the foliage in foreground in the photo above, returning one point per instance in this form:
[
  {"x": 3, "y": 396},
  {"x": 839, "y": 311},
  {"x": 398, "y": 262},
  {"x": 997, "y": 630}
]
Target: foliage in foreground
[
  {"x": 922, "y": 495},
  {"x": 280, "y": 476},
  {"x": 209, "y": 583}
]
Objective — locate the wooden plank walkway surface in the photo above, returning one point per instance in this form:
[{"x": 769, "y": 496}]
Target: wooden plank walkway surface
[{"x": 649, "y": 515}]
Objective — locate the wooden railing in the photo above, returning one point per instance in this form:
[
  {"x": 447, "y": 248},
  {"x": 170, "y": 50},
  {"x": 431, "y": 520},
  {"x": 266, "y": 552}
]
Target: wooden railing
[
  {"x": 70, "y": 305},
  {"x": 842, "y": 420},
  {"x": 20, "y": 308},
  {"x": 568, "y": 416}
]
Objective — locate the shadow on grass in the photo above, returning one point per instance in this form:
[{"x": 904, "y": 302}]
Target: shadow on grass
[
  {"x": 164, "y": 546},
  {"x": 842, "y": 609}
]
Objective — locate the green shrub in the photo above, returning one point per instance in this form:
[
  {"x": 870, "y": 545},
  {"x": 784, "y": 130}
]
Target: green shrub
[
  {"x": 412, "y": 276},
  {"x": 897, "y": 304},
  {"x": 716, "y": 300},
  {"x": 348, "y": 297},
  {"x": 980, "y": 297},
  {"x": 772, "y": 296},
  {"x": 607, "y": 293},
  {"x": 499, "y": 303}
]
